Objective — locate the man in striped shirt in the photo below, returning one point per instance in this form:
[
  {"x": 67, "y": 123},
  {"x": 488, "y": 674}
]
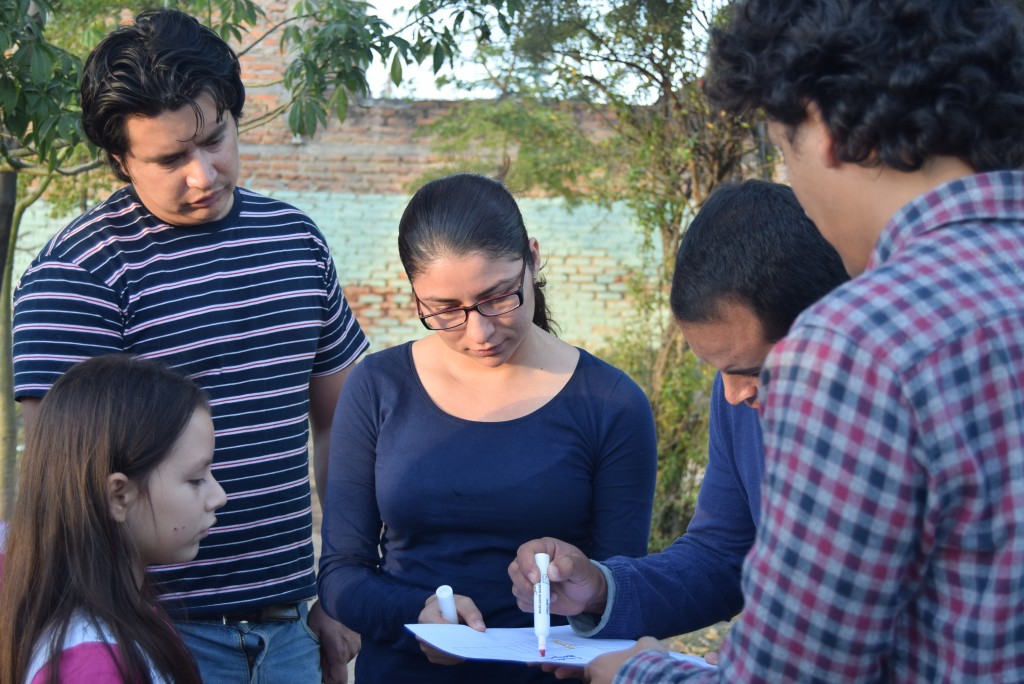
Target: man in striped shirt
[{"x": 232, "y": 288}]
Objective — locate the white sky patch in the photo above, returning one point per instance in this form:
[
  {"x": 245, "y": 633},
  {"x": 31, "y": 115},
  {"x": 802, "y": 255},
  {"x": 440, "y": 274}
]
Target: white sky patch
[{"x": 418, "y": 80}]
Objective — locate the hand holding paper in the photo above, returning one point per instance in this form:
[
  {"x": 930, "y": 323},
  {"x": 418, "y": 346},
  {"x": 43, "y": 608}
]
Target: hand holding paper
[{"x": 443, "y": 607}]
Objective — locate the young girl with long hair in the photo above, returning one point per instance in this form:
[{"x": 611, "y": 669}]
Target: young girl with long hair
[{"x": 115, "y": 476}]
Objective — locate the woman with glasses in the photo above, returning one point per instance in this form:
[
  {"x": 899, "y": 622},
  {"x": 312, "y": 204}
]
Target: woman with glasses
[{"x": 449, "y": 452}]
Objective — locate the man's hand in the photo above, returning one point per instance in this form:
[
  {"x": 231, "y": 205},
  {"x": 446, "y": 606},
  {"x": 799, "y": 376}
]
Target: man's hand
[
  {"x": 468, "y": 613},
  {"x": 577, "y": 585},
  {"x": 602, "y": 669},
  {"x": 338, "y": 644}
]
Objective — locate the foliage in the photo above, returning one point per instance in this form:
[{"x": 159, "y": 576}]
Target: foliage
[
  {"x": 335, "y": 42},
  {"x": 543, "y": 139},
  {"x": 636, "y": 66},
  {"x": 37, "y": 82},
  {"x": 680, "y": 401},
  {"x": 326, "y": 45}
]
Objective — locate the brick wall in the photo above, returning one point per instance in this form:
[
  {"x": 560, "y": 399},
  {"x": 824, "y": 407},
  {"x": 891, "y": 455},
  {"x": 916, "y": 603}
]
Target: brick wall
[{"x": 355, "y": 178}]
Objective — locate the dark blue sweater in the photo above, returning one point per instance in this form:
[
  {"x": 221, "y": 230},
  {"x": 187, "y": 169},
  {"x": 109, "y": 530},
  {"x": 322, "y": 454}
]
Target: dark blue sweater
[
  {"x": 695, "y": 582},
  {"x": 449, "y": 501}
]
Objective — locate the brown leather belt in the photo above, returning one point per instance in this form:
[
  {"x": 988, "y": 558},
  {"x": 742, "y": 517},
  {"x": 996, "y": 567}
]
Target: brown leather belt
[{"x": 282, "y": 612}]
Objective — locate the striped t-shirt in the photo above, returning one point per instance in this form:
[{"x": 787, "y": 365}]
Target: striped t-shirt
[{"x": 248, "y": 306}]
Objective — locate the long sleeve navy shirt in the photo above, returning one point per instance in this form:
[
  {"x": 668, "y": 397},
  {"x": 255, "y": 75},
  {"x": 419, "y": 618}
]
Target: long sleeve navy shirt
[{"x": 695, "y": 582}]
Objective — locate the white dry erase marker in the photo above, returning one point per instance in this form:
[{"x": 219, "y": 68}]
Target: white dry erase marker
[
  {"x": 542, "y": 603},
  {"x": 446, "y": 600}
]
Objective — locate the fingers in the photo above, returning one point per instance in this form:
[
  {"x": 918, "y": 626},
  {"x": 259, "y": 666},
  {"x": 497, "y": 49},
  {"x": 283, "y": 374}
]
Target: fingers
[
  {"x": 602, "y": 670},
  {"x": 523, "y": 571},
  {"x": 436, "y": 656},
  {"x": 570, "y": 672},
  {"x": 648, "y": 644},
  {"x": 522, "y": 587},
  {"x": 524, "y": 561},
  {"x": 338, "y": 644},
  {"x": 469, "y": 613},
  {"x": 577, "y": 585},
  {"x": 334, "y": 673},
  {"x": 566, "y": 568},
  {"x": 561, "y": 671},
  {"x": 431, "y": 613}
]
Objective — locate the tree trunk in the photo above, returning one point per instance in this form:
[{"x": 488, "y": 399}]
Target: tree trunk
[
  {"x": 8, "y": 198},
  {"x": 8, "y": 413}
]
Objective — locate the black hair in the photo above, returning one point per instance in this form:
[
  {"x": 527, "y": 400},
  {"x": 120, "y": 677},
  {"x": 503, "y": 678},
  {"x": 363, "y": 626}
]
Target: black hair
[
  {"x": 165, "y": 60},
  {"x": 463, "y": 214},
  {"x": 751, "y": 243},
  {"x": 897, "y": 81}
]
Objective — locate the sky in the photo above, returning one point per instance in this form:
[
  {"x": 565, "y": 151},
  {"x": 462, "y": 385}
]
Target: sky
[{"x": 417, "y": 80}]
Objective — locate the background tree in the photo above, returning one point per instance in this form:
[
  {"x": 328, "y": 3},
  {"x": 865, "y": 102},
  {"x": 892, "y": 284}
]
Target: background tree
[
  {"x": 327, "y": 45},
  {"x": 637, "y": 63}
]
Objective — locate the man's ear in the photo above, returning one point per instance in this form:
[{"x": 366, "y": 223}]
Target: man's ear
[
  {"x": 819, "y": 137},
  {"x": 121, "y": 494},
  {"x": 120, "y": 164}
]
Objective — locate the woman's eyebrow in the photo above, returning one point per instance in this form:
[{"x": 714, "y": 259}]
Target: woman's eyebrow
[{"x": 505, "y": 286}]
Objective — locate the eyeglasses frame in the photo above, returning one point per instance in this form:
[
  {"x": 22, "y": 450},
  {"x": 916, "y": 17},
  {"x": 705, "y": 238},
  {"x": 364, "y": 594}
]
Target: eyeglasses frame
[{"x": 475, "y": 307}]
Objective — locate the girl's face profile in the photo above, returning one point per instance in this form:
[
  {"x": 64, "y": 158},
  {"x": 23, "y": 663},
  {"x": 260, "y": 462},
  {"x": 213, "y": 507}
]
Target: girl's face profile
[
  {"x": 450, "y": 282},
  {"x": 168, "y": 522}
]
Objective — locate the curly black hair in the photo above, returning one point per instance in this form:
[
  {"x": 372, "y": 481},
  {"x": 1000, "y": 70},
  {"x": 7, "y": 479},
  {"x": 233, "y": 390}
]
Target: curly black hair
[
  {"x": 897, "y": 81},
  {"x": 163, "y": 61}
]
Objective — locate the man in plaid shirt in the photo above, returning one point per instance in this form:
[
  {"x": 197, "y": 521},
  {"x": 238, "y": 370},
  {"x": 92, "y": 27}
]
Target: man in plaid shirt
[{"x": 891, "y": 545}]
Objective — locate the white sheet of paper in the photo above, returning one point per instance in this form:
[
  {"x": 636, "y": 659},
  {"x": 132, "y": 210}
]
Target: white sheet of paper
[{"x": 520, "y": 644}]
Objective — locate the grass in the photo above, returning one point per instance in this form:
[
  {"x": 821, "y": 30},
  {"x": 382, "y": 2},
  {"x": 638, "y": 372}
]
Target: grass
[{"x": 700, "y": 642}]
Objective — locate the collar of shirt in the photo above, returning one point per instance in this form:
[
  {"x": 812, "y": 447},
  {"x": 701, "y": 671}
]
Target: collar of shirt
[{"x": 996, "y": 195}]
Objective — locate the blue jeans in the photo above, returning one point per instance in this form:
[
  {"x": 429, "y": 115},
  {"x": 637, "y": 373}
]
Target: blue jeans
[{"x": 254, "y": 652}]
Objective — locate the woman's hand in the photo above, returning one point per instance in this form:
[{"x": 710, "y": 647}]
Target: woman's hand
[{"x": 468, "y": 613}]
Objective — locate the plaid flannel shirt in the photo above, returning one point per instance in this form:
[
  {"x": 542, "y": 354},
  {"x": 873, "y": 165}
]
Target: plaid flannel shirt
[{"x": 892, "y": 539}]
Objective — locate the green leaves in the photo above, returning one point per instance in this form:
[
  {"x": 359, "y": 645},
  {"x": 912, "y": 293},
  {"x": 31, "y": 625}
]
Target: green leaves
[
  {"x": 333, "y": 42},
  {"x": 327, "y": 44},
  {"x": 396, "y": 69},
  {"x": 38, "y": 90}
]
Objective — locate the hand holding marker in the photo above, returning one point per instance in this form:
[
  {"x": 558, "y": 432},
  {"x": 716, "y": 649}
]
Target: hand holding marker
[{"x": 542, "y": 603}]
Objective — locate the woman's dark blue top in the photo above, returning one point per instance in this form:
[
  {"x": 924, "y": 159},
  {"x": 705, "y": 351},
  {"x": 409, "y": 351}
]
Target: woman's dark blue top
[{"x": 449, "y": 501}]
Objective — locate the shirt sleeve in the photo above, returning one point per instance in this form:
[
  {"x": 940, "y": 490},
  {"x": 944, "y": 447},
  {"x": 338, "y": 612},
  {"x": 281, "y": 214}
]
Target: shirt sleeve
[
  {"x": 661, "y": 668},
  {"x": 62, "y": 315},
  {"x": 342, "y": 339},
  {"x": 694, "y": 582},
  {"x": 624, "y": 477},
  {"x": 352, "y": 588}
]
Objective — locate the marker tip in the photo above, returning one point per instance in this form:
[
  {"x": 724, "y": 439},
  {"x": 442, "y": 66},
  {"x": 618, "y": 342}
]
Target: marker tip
[{"x": 542, "y": 653}]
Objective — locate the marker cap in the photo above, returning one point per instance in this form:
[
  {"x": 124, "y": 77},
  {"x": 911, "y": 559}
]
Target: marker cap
[
  {"x": 542, "y": 560},
  {"x": 446, "y": 602}
]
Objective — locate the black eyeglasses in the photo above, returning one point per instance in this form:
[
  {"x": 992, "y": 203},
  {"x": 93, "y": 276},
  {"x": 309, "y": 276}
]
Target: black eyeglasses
[{"x": 491, "y": 306}]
